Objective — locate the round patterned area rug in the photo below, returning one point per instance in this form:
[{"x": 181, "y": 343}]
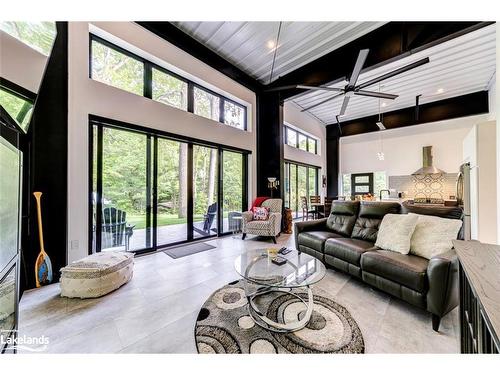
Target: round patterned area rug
[{"x": 224, "y": 325}]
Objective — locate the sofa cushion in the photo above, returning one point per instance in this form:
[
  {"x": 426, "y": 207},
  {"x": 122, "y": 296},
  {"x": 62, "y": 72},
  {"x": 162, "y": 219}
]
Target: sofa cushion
[
  {"x": 408, "y": 270},
  {"x": 342, "y": 217},
  {"x": 433, "y": 235},
  {"x": 348, "y": 249},
  {"x": 395, "y": 232},
  {"x": 316, "y": 239},
  {"x": 369, "y": 219}
]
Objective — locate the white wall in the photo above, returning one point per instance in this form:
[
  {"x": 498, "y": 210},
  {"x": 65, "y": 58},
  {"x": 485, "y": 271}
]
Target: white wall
[
  {"x": 91, "y": 97},
  {"x": 22, "y": 65},
  {"x": 311, "y": 126},
  {"x": 403, "y": 147}
]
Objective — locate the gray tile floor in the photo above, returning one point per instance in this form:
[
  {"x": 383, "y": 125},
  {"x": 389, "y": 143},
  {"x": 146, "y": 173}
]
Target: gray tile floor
[{"x": 156, "y": 311}]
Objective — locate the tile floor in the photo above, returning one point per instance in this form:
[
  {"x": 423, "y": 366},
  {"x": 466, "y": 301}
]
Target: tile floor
[{"x": 156, "y": 311}]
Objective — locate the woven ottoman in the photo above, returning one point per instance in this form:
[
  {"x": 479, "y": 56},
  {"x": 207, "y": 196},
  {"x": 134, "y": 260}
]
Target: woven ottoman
[{"x": 96, "y": 275}]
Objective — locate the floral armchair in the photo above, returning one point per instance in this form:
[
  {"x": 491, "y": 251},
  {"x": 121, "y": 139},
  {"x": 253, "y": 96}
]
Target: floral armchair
[{"x": 269, "y": 228}]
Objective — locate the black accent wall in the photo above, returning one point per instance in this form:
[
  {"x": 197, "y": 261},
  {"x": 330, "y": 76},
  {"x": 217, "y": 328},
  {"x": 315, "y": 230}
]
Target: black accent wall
[
  {"x": 332, "y": 160},
  {"x": 47, "y": 167},
  {"x": 459, "y": 106},
  {"x": 270, "y": 148}
]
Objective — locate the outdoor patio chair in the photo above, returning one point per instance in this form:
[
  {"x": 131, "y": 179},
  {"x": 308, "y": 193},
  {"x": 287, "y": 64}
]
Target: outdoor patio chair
[{"x": 208, "y": 220}]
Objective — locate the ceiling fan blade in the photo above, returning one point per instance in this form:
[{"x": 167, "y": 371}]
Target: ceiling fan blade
[
  {"x": 326, "y": 88},
  {"x": 375, "y": 94},
  {"x": 394, "y": 73},
  {"x": 358, "y": 66},
  {"x": 281, "y": 88},
  {"x": 344, "y": 105},
  {"x": 322, "y": 102}
]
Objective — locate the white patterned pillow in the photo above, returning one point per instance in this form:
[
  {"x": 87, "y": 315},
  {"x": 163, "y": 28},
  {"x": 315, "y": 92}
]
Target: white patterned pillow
[
  {"x": 395, "y": 232},
  {"x": 260, "y": 213},
  {"x": 433, "y": 235}
]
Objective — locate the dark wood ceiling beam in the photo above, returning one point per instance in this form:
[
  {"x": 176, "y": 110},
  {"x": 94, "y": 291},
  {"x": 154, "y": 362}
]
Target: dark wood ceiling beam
[
  {"x": 180, "y": 39},
  {"x": 388, "y": 43},
  {"x": 460, "y": 106}
]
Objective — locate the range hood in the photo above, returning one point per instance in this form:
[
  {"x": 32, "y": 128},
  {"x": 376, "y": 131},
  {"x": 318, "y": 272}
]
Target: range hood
[{"x": 428, "y": 168}]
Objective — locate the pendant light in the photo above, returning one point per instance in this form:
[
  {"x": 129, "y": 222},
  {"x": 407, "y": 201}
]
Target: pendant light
[{"x": 380, "y": 124}]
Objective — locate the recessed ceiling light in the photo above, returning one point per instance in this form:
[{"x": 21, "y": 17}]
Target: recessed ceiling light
[
  {"x": 440, "y": 90},
  {"x": 384, "y": 104},
  {"x": 270, "y": 44}
]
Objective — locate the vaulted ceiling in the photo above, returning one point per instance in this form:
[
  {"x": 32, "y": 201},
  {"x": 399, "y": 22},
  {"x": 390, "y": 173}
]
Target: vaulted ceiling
[
  {"x": 457, "y": 67},
  {"x": 250, "y": 45}
]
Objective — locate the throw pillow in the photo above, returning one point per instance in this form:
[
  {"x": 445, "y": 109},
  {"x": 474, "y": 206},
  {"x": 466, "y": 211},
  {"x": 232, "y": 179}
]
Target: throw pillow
[
  {"x": 395, "y": 232},
  {"x": 260, "y": 213},
  {"x": 433, "y": 235}
]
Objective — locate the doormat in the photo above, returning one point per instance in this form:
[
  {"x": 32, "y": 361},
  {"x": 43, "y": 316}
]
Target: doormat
[{"x": 185, "y": 250}]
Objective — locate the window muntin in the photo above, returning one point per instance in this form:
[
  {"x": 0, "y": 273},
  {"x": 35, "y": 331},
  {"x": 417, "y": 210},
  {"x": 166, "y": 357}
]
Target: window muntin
[
  {"x": 18, "y": 108},
  {"x": 300, "y": 140},
  {"x": 206, "y": 104},
  {"x": 234, "y": 115},
  {"x": 117, "y": 69},
  {"x": 157, "y": 83},
  {"x": 169, "y": 90},
  {"x": 311, "y": 145},
  {"x": 38, "y": 35}
]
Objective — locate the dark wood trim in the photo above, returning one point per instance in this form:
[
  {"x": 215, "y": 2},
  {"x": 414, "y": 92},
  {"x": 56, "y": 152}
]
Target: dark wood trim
[
  {"x": 459, "y": 106},
  {"x": 178, "y": 38}
]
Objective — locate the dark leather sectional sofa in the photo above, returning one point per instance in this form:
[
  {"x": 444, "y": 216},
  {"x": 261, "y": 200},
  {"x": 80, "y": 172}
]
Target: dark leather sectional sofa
[{"x": 345, "y": 241}]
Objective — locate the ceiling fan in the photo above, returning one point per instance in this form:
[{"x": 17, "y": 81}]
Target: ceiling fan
[{"x": 352, "y": 88}]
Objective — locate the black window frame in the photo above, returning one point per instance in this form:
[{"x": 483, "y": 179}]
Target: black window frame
[
  {"x": 288, "y": 186},
  {"x": 148, "y": 82},
  {"x": 308, "y": 138},
  {"x": 21, "y": 93},
  {"x": 98, "y": 123}
]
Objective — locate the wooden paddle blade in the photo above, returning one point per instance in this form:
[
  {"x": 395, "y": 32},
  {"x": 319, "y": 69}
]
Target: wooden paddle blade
[{"x": 43, "y": 270}]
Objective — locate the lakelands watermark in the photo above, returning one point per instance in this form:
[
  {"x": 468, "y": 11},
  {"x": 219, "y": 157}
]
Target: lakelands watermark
[{"x": 15, "y": 341}]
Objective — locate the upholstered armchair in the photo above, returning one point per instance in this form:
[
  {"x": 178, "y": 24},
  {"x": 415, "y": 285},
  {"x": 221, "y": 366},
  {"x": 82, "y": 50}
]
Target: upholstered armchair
[{"x": 269, "y": 228}]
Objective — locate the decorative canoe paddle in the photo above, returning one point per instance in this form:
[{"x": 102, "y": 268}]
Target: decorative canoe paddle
[{"x": 43, "y": 266}]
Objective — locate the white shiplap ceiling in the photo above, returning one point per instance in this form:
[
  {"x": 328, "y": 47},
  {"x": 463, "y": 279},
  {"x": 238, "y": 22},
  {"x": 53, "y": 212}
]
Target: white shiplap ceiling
[
  {"x": 248, "y": 45},
  {"x": 457, "y": 67}
]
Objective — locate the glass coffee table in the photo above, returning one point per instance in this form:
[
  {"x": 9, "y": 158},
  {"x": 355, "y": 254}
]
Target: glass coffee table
[{"x": 262, "y": 276}]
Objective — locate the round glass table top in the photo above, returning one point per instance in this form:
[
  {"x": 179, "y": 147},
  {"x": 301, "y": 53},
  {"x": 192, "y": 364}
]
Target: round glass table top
[{"x": 300, "y": 269}]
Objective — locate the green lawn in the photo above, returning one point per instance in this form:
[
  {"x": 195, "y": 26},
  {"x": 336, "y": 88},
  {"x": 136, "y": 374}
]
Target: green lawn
[{"x": 163, "y": 219}]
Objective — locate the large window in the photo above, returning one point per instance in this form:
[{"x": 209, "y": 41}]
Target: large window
[
  {"x": 206, "y": 104},
  {"x": 17, "y": 106},
  {"x": 38, "y": 35},
  {"x": 120, "y": 68},
  {"x": 116, "y": 68},
  {"x": 300, "y": 140},
  {"x": 169, "y": 90},
  {"x": 234, "y": 115},
  {"x": 300, "y": 181},
  {"x": 149, "y": 190},
  {"x": 378, "y": 181}
]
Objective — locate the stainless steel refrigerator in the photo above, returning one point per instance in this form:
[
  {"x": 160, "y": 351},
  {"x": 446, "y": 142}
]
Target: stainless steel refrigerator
[{"x": 464, "y": 197}]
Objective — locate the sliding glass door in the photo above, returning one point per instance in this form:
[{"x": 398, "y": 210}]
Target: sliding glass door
[
  {"x": 172, "y": 192},
  {"x": 301, "y": 180},
  {"x": 233, "y": 187},
  {"x": 149, "y": 191},
  {"x": 205, "y": 204}
]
